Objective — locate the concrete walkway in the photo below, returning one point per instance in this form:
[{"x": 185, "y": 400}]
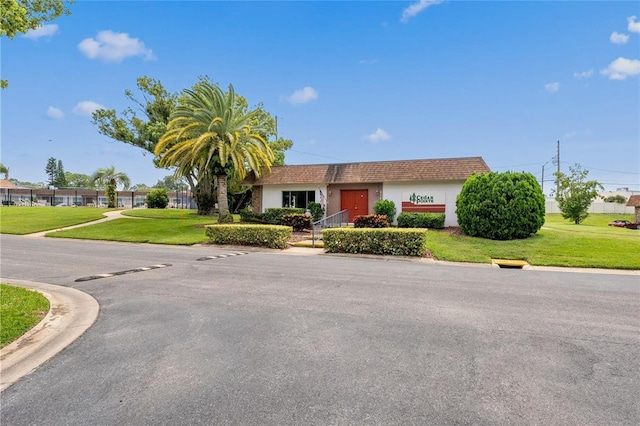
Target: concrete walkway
[
  {"x": 71, "y": 313},
  {"x": 111, "y": 215}
]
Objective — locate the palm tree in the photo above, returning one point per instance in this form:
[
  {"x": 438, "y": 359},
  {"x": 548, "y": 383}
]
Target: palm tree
[
  {"x": 211, "y": 134},
  {"x": 110, "y": 179}
]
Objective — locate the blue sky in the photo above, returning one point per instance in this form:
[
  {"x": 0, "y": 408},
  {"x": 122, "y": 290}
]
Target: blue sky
[{"x": 349, "y": 81}]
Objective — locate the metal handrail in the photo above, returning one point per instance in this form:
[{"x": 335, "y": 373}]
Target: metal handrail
[{"x": 336, "y": 219}]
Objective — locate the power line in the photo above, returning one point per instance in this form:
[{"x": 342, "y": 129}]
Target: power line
[
  {"x": 519, "y": 165},
  {"x": 318, "y": 155},
  {"x": 603, "y": 170}
]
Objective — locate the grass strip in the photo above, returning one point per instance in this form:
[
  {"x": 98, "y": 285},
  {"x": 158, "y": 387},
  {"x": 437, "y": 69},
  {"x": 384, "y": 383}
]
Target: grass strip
[
  {"x": 20, "y": 310},
  {"x": 20, "y": 220},
  {"x": 592, "y": 244}
]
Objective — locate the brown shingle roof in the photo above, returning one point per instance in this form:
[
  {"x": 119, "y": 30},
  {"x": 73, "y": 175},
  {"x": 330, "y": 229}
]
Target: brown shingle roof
[
  {"x": 379, "y": 171},
  {"x": 634, "y": 201},
  {"x": 7, "y": 184}
]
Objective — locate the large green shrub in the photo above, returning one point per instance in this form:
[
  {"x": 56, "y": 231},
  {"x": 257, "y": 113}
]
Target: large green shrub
[
  {"x": 421, "y": 220},
  {"x": 316, "y": 210},
  {"x": 370, "y": 221},
  {"x": 272, "y": 236},
  {"x": 157, "y": 198},
  {"x": 501, "y": 206},
  {"x": 387, "y": 208},
  {"x": 386, "y": 241}
]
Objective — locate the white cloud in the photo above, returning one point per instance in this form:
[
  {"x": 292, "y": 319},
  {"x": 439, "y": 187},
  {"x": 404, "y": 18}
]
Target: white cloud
[
  {"x": 634, "y": 26},
  {"x": 53, "y": 112},
  {"x": 378, "y": 136},
  {"x": 416, "y": 8},
  {"x": 42, "y": 31},
  {"x": 303, "y": 95},
  {"x": 583, "y": 74},
  {"x": 552, "y": 87},
  {"x": 114, "y": 47},
  {"x": 622, "y": 68},
  {"x": 86, "y": 108},
  {"x": 618, "y": 38}
]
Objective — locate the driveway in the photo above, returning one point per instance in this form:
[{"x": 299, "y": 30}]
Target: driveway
[{"x": 274, "y": 338}]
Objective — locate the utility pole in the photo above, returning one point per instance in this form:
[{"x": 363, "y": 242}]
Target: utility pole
[
  {"x": 556, "y": 160},
  {"x": 542, "y": 181}
]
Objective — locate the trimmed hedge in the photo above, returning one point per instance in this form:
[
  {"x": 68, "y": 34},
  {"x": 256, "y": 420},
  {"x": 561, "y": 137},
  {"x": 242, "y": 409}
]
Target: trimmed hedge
[
  {"x": 298, "y": 222},
  {"x": 501, "y": 206},
  {"x": 370, "y": 221},
  {"x": 272, "y": 216},
  {"x": 271, "y": 236},
  {"x": 421, "y": 220},
  {"x": 246, "y": 215},
  {"x": 387, "y": 241}
]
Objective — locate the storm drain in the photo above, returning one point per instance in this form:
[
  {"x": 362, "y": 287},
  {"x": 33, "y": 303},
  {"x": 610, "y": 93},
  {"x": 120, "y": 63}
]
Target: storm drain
[
  {"x": 509, "y": 263},
  {"x": 129, "y": 271},
  {"x": 222, "y": 256}
]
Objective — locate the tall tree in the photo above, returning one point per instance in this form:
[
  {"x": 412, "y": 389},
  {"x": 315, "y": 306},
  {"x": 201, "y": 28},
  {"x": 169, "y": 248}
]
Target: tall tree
[
  {"x": 20, "y": 16},
  {"x": 61, "y": 180},
  {"x": 78, "y": 180},
  {"x": 109, "y": 179},
  {"x": 211, "y": 135},
  {"x": 575, "y": 193},
  {"x": 144, "y": 124},
  {"x": 52, "y": 170},
  {"x": 4, "y": 170}
]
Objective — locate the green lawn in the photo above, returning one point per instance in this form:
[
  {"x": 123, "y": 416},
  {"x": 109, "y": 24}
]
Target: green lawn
[
  {"x": 158, "y": 226},
  {"x": 592, "y": 244},
  {"x": 20, "y": 310},
  {"x": 27, "y": 220}
]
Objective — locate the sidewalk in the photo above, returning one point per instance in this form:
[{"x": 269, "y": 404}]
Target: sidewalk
[{"x": 116, "y": 214}]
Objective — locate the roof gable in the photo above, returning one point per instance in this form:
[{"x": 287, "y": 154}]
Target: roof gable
[
  {"x": 634, "y": 201},
  {"x": 446, "y": 169}
]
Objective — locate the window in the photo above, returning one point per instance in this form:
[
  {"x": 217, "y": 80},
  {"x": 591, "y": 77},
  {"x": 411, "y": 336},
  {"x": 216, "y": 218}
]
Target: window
[{"x": 299, "y": 199}]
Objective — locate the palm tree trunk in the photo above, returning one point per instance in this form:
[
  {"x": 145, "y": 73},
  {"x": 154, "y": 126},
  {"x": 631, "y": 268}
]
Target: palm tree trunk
[
  {"x": 111, "y": 195},
  {"x": 204, "y": 196},
  {"x": 223, "y": 202}
]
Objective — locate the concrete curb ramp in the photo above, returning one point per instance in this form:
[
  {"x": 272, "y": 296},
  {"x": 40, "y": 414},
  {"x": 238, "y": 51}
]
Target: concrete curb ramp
[{"x": 71, "y": 313}]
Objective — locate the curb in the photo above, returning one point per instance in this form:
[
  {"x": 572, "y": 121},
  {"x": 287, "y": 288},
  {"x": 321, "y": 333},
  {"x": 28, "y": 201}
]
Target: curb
[{"x": 71, "y": 313}]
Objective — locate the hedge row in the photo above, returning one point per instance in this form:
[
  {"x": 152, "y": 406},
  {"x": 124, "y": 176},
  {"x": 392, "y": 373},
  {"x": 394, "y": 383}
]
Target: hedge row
[
  {"x": 272, "y": 216},
  {"x": 271, "y": 236},
  {"x": 421, "y": 220},
  {"x": 370, "y": 221},
  {"x": 387, "y": 241},
  {"x": 298, "y": 222}
]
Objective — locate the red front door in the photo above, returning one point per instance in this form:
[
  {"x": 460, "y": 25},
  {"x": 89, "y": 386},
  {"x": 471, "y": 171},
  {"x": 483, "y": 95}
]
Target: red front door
[{"x": 356, "y": 201}]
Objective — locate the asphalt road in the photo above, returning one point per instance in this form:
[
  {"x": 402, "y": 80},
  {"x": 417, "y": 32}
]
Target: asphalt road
[{"x": 267, "y": 338}]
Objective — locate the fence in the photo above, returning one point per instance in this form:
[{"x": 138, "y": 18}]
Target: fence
[
  {"x": 595, "y": 208},
  {"x": 85, "y": 197}
]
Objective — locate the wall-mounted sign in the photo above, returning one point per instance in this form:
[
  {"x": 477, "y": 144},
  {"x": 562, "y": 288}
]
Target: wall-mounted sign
[{"x": 423, "y": 202}]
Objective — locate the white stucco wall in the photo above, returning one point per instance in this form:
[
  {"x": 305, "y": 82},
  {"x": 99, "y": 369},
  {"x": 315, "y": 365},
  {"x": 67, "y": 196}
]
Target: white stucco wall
[
  {"x": 450, "y": 190},
  {"x": 272, "y": 194}
]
